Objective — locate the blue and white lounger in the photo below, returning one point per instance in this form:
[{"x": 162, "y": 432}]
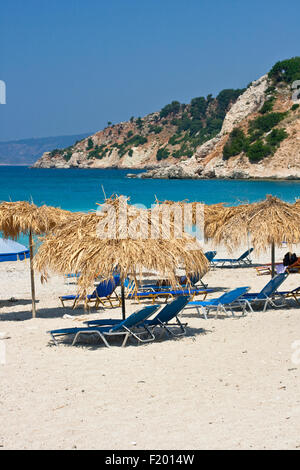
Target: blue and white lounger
[
  {"x": 101, "y": 295},
  {"x": 230, "y": 300},
  {"x": 267, "y": 295},
  {"x": 162, "y": 320},
  {"x": 111, "y": 328},
  {"x": 243, "y": 260}
]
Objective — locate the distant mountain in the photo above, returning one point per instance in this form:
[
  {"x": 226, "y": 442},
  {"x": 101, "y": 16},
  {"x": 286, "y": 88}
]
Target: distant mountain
[{"x": 27, "y": 151}]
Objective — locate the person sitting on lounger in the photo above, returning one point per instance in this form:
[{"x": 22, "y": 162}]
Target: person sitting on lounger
[
  {"x": 289, "y": 259},
  {"x": 291, "y": 262}
]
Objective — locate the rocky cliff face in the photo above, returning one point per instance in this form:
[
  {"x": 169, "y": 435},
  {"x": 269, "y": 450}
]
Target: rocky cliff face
[
  {"x": 250, "y": 133},
  {"x": 132, "y": 144},
  {"x": 269, "y": 119},
  {"x": 157, "y": 140}
]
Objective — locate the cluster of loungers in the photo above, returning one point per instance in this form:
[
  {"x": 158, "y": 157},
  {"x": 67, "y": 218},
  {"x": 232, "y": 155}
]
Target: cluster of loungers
[{"x": 140, "y": 326}]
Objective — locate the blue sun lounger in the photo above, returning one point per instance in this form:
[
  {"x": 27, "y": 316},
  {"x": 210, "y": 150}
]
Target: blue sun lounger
[
  {"x": 230, "y": 300},
  {"x": 267, "y": 295},
  {"x": 162, "y": 320},
  {"x": 124, "y": 328},
  {"x": 101, "y": 295},
  {"x": 168, "y": 293},
  {"x": 182, "y": 280},
  {"x": 194, "y": 279},
  {"x": 243, "y": 260},
  {"x": 294, "y": 294},
  {"x": 210, "y": 255}
]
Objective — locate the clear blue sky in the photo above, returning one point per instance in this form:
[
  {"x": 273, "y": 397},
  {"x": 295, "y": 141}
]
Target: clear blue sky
[{"x": 72, "y": 65}]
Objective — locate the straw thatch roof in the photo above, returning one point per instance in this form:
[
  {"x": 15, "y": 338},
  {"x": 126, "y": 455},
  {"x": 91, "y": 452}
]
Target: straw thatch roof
[
  {"x": 270, "y": 221},
  {"x": 208, "y": 217},
  {"x": 216, "y": 215},
  {"x": 85, "y": 245},
  {"x": 21, "y": 217}
]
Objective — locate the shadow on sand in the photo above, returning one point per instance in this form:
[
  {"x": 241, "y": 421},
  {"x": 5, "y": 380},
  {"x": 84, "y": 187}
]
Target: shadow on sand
[{"x": 93, "y": 342}]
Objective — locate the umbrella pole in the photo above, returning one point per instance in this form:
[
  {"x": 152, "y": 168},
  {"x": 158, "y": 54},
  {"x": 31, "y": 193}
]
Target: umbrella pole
[
  {"x": 32, "y": 275},
  {"x": 123, "y": 300},
  {"x": 273, "y": 259}
]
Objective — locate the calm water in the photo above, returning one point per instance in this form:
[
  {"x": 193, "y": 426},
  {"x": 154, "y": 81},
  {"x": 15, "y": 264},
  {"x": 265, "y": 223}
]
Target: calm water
[{"x": 80, "y": 190}]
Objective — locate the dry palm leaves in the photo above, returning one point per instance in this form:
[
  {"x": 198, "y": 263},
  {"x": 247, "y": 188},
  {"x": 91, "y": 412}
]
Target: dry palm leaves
[
  {"x": 98, "y": 244},
  {"x": 208, "y": 218},
  {"x": 21, "y": 217},
  {"x": 269, "y": 222}
]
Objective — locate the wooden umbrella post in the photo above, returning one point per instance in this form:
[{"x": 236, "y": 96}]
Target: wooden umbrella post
[
  {"x": 32, "y": 275},
  {"x": 123, "y": 299},
  {"x": 273, "y": 259}
]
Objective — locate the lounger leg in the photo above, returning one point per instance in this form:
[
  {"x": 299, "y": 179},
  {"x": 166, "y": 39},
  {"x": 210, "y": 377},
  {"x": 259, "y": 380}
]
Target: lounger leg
[
  {"x": 244, "y": 308},
  {"x": 249, "y": 305},
  {"x": 90, "y": 332},
  {"x": 126, "y": 336},
  {"x": 266, "y": 304},
  {"x": 203, "y": 310},
  {"x": 54, "y": 339},
  {"x": 165, "y": 327},
  {"x": 217, "y": 312},
  {"x": 231, "y": 309},
  {"x": 138, "y": 338}
]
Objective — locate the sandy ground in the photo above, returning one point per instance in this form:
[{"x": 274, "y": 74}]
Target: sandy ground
[{"x": 231, "y": 383}]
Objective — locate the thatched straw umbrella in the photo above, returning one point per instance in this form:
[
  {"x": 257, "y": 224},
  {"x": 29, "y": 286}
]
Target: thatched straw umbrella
[
  {"x": 26, "y": 218},
  {"x": 270, "y": 222},
  {"x": 102, "y": 244},
  {"x": 207, "y": 217}
]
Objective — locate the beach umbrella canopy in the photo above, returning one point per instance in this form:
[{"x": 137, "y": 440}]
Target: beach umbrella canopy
[
  {"x": 12, "y": 251},
  {"x": 26, "y": 218},
  {"x": 102, "y": 244},
  {"x": 206, "y": 217},
  {"x": 270, "y": 222}
]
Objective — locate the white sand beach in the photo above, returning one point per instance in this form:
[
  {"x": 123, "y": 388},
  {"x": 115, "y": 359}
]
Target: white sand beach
[{"x": 230, "y": 383}]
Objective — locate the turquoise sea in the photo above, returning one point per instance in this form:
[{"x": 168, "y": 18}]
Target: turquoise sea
[{"x": 80, "y": 190}]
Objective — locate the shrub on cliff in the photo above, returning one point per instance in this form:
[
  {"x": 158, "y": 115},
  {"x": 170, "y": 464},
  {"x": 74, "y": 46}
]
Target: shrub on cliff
[
  {"x": 198, "y": 107},
  {"x": 295, "y": 107},
  {"x": 68, "y": 155},
  {"x": 172, "y": 108},
  {"x": 90, "y": 144},
  {"x": 258, "y": 151},
  {"x": 286, "y": 71},
  {"x": 267, "y": 122},
  {"x": 276, "y": 137},
  {"x": 162, "y": 154},
  {"x": 225, "y": 98},
  {"x": 56, "y": 152},
  {"x": 268, "y": 105},
  {"x": 236, "y": 144},
  {"x": 155, "y": 129}
]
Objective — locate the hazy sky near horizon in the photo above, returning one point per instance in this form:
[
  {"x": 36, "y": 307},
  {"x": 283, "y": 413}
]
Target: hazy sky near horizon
[{"x": 72, "y": 65}]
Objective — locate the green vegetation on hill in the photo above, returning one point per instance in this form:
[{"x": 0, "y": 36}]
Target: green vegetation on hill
[
  {"x": 263, "y": 137},
  {"x": 261, "y": 141},
  {"x": 287, "y": 71},
  {"x": 185, "y": 127},
  {"x": 197, "y": 122},
  {"x": 134, "y": 141},
  {"x": 162, "y": 153}
]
